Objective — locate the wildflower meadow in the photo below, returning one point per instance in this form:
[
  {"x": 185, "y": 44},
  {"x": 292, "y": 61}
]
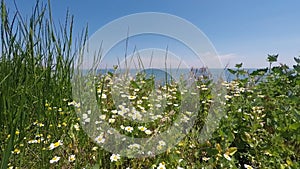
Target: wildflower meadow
[{"x": 43, "y": 124}]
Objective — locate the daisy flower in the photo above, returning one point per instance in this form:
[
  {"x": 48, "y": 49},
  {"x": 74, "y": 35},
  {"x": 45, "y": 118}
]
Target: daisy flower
[
  {"x": 248, "y": 166},
  {"x": 142, "y": 128},
  {"x": 100, "y": 139},
  {"x": 54, "y": 159},
  {"x": 111, "y": 120},
  {"x": 54, "y": 145},
  {"x": 129, "y": 129},
  {"x": 71, "y": 158},
  {"x": 77, "y": 127},
  {"x": 148, "y": 132},
  {"x": 162, "y": 143},
  {"x": 16, "y": 151},
  {"x": 131, "y": 97},
  {"x": 161, "y": 166},
  {"x": 115, "y": 157}
]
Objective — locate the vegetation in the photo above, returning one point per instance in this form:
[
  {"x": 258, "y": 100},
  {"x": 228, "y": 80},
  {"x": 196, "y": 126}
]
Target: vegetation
[{"x": 41, "y": 126}]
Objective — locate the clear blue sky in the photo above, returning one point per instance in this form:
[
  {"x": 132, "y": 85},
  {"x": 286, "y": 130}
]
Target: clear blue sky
[{"x": 241, "y": 31}]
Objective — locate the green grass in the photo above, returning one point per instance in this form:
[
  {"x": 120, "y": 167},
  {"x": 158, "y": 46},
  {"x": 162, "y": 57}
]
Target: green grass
[{"x": 39, "y": 115}]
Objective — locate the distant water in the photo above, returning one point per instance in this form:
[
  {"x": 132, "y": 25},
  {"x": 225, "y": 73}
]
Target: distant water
[{"x": 160, "y": 74}]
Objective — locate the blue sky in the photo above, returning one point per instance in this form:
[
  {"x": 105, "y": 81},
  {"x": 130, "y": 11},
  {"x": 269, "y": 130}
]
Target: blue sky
[{"x": 241, "y": 31}]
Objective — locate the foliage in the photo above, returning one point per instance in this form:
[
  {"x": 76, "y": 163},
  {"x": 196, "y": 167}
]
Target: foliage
[{"x": 40, "y": 127}]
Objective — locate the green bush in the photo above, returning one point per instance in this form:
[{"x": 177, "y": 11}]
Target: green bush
[{"x": 40, "y": 127}]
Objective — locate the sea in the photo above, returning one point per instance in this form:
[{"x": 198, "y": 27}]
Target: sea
[{"x": 161, "y": 75}]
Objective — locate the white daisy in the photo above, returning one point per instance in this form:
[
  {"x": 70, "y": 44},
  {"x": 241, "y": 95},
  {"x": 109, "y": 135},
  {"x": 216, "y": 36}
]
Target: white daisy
[
  {"x": 115, "y": 157},
  {"x": 129, "y": 129},
  {"x": 54, "y": 159}
]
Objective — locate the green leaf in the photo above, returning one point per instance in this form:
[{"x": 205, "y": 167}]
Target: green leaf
[
  {"x": 259, "y": 72},
  {"x": 277, "y": 69},
  {"x": 297, "y": 60},
  {"x": 272, "y": 58},
  {"x": 96, "y": 166},
  {"x": 242, "y": 72},
  {"x": 239, "y": 65},
  {"x": 231, "y": 71},
  {"x": 134, "y": 84},
  {"x": 297, "y": 68},
  {"x": 212, "y": 151},
  {"x": 5, "y": 78},
  {"x": 110, "y": 74},
  {"x": 294, "y": 126},
  {"x": 115, "y": 67}
]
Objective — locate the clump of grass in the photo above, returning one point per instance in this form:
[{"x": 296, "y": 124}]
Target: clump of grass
[{"x": 36, "y": 68}]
